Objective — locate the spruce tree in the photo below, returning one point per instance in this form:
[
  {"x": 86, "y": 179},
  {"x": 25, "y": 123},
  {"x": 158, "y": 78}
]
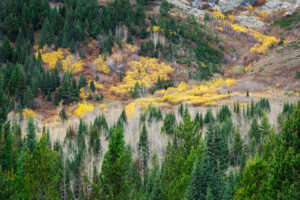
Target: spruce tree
[
  {"x": 164, "y": 8},
  {"x": 42, "y": 171},
  {"x": 115, "y": 166},
  {"x": 264, "y": 127},
  {"x": 237, "y": 146},
  {"x": 254, "y": 130},
  {"x": 143, "y": 33},
  {"x": 92, "y": 86},
  {"x": 47, "y": 34},
  {"x": 6, "y": 50},
  {"x": 143, "y": 147},
  {"x": 194, "y": 190},
  {"x": 140, "y": 15},
  {"x": 30, "y": 137},
  {"x": 253, "y": 184}
]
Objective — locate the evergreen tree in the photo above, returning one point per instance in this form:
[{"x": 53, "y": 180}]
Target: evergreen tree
[
  {"x": 140, "y": 15},
  {"x": 253, "y": 184},
  {"x": 6, "y": 50},
  {"x": 143, "y": 33},
  {"x": 284, "y": 166},
  {"x": 92, "y": 86},
  {"x": 42, "y": 171},
  {"x": 30, "y": 137},
  {"x": 143, "y": 147},
  {"x": 264, "y": 127},
  {"x": 237, "y": 146},
  {"x": 254, "y": 130},
  {"x": 28, "y": 97},
  {"x": 169, "y": 125},
  {"x": 164, "y": 8},
  {"x": 47, "y": 34},
  {"x": 82, "y": 81},
  {"x": 193, "y": 191},
  {"x": 115, "y": 168}
]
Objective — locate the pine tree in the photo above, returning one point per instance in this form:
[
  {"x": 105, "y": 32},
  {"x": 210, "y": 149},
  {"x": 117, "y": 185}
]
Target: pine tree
[
  {"x": 42, "y": 171},
  {"x": 264, "y": 127},
  {"x": 284, "y": 166},
  {"x": 193, "y": 190},
  {"x": 115, "y": 168},
  {"x": 30, "y": 137},
  {"x": 164, "y": 8},
  {"x": 237, "y": 146},
  {"x": 254, "y": 130},
  {"x": 28, "y": 97},
  {"x": 253, "y": 184},
  {"x": 143, "y": 147},
  {"x": 92, "y": 86},
  {"x": 47, "y": 34},
  {"x": 6, "y": 50},
  {"x": 140, "y": 15},
  {"x": 209, "y": 195},
  {"x": 82, "y": 81},
  {"x": 143, "y": 33}
]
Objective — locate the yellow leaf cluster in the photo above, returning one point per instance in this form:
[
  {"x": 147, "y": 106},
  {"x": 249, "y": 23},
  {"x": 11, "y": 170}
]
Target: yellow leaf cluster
[
  {"x": 230, "y": 18},
  {"x": 101, "y": 65},
  {"x": 220, "y": 29},
  {"x": 98, "y": 85},
  {"x": 102, "y": 106},
  {"x": 28, "y": 112},
  {"x": 70, "y": 63},
  {"x": 82, "y": 94},
  {"x": 207, "y": 94},
  {"x": 83, "y": 109},
  {"x": 264, "y": 41},
  {"x": 219, "y": 15},
  {"x": 146, "y": 71},
  {"x": 154, "y": 28}
]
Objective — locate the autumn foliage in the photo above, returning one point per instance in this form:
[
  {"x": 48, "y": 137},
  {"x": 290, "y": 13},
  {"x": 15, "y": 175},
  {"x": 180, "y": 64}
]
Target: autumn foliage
[
  {"x": 70, "y": 63},
  {"x": 145, "y": 71}
]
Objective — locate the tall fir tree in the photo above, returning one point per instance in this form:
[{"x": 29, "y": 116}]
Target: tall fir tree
[
  {"x": 143, "y": 147},
  {"x": 47, "y": 34},
  {"x": 115, "y": 168},
  {"x": 30, "y": 137}
]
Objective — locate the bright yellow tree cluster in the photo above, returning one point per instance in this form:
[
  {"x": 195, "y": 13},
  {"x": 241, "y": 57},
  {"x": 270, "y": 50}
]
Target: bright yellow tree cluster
[
  {"x": 83, "y": 109},
  {"x": 101, "y": 65},
  {"x": 219, "y": 15},
  {"x": 70, "y": 63},
  {"x": 146, "y": 71},
  {"x": 207, "y": 94},
  {"x": 264, "y": 41}
]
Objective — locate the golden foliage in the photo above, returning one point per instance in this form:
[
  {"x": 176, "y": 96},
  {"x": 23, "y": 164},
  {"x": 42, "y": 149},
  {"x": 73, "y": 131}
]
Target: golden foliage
[
  {"x": 207, "y": 94},
  {"x": 154, "y": 28},
  {"x": 28, "y": 112},
  {"x": 264, "y": 41},
  {"x": 83, "y": 109},
  {"x": 146, "y": 71},
  {"x": 102, "y": 106},
  {"x": 70, "y": 63},
  {"x": 230, "y": 18},
  {"x": 82, "y": 94},
  {"x": 101, "y": 65},
  {"x": 220, "y": 29},
  {"x": 219, "y": 15}
]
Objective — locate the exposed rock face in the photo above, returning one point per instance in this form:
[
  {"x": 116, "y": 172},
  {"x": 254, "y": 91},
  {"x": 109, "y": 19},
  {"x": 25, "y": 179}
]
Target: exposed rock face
[
  {"x": 289, "y": 5},
  {"x": 225, "y": 5},
  {"x": 250, "y": 21}
]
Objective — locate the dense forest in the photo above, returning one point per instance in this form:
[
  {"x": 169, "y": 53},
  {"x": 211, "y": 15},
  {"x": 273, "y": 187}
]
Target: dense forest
[{"x": 206, "y": 158}]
